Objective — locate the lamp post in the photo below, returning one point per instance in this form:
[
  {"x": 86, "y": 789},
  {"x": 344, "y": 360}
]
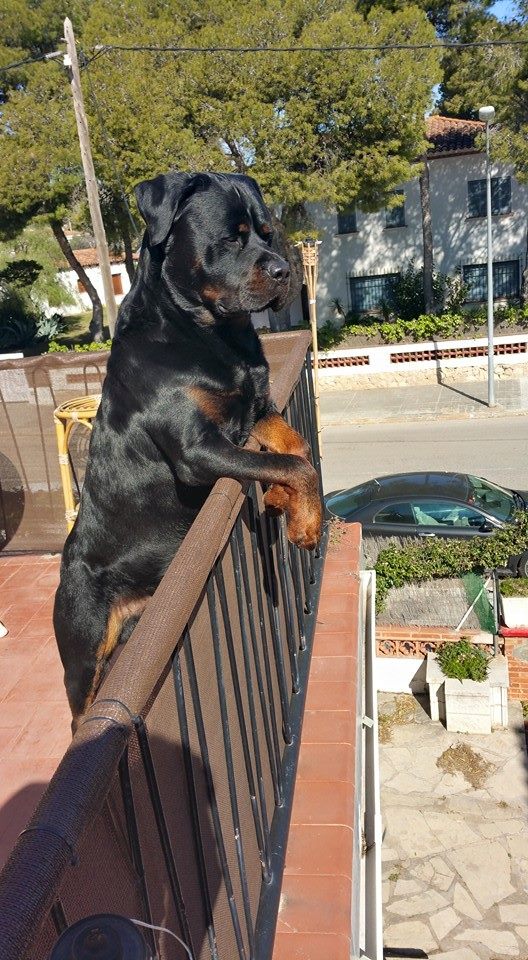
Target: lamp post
[
  {"x": 487, "y": 115},
  {"x": 310, "y": 257}
]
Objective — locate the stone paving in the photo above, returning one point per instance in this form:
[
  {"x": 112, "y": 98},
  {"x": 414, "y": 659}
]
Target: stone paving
[{"x": 455, "y": 856}]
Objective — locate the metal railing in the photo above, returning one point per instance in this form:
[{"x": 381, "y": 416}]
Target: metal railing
[{"x": 172, "y": 803}]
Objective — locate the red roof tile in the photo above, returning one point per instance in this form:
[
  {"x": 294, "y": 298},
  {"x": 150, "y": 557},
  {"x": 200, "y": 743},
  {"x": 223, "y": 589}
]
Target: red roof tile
[
  {"x": 451, "y": 135},
  {"x": 87, "y": 257}
]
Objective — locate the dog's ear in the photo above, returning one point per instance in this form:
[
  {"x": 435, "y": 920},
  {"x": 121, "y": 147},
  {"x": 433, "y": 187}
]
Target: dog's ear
[
  {"x": 285, "y": 248},
  {"x": 158, "y": 201}
]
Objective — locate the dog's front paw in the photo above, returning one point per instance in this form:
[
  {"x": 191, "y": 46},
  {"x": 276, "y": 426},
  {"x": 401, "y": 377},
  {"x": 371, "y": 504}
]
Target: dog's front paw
[
  {"x": 277, "y": 499},
  {"x": 305, "y": 523}
]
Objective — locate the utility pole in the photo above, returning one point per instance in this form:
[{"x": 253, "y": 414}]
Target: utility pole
[{"x": 70, "y": 61}]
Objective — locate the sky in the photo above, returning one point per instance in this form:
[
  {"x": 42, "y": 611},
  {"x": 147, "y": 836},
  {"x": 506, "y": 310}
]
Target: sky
[{"x": 504, "y": 9}]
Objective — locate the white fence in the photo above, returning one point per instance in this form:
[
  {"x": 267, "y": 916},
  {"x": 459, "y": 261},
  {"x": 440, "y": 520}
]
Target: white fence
[{"x": 439, "y": 355}]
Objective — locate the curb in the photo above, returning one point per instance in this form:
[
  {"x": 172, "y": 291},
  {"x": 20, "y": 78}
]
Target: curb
[{"x": 496, "y": 413}]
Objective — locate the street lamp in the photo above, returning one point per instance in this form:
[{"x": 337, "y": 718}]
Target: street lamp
[{"x": 487, "y": 115}]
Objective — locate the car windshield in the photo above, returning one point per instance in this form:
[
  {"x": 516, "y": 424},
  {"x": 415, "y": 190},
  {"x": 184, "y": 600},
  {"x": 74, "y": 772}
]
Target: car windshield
[
  {"x": 490, "y": 498},
  {"x": 346, "y": 502}
]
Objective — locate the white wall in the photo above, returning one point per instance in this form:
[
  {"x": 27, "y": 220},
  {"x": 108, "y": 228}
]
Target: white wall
[
  {"x": 82, "y": 300},
  {"x": 457, "y": 239}
]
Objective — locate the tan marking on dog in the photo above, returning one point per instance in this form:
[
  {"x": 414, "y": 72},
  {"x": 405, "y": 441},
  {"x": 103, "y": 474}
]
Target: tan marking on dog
[
  {"x": 276, "y": 435},
  {"x": 243, "y": 227},
  {"x": 214, "y": 406},
  {"x": 120, "y": 611}
]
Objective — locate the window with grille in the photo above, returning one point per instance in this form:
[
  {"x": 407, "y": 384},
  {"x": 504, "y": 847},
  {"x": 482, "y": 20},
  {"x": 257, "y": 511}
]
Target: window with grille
[
  {"x": 500, "y": 196},
  {"x": 395, "y": 216},
  {"x": 506, "y": 278},
  {"x": 369, "y": 293},
  {"x": 347, "y": 220}
]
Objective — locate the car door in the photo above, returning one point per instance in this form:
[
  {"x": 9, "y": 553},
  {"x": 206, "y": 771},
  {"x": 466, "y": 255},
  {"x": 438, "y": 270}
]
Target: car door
[
  {"x": 391, "y": 520},
  {"x": 449, "y": 518}
]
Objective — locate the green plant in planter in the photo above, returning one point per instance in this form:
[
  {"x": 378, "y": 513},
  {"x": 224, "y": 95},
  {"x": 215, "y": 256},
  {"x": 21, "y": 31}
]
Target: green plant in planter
[{"x": 463, "y": 661}]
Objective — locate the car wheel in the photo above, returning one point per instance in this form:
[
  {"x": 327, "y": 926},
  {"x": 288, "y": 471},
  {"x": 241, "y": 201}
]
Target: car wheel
[{"x": 522, "y": 566}]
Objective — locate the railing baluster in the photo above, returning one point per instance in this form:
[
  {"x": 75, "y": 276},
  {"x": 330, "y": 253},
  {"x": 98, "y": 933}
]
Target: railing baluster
[
  {"x": 282, "y": 566},
  {"x": 211, "y": 793},
  {"x": 134, "y": 841},
  {"x": 239, "y": 579},
  {"x": 264, "y": 533},
  {"x": 58, "y": 917},
  {"x": 293, "y": 553},
  {"x": 233, "y": 799},
  {"x": 193, "y": 798},
  {"x": 163, "y": 832},
  {"x": 252, "y": 509},
  {"x": 259, "y": 832}
]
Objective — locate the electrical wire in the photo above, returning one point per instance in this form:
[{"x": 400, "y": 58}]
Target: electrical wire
[
  {"x": 22, "y": 63},
  {"x": 343, "y": 48},
  {"x": 102, "y": 49},
  {"x": 152, "y": 926}
]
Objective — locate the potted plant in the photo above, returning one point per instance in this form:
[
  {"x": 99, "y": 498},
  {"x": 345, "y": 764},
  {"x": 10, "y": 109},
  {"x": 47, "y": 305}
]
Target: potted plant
[{"x": 468, "y": 688}]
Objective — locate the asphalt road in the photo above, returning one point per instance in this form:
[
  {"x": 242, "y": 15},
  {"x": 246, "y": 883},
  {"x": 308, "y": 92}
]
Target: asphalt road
[{"x": 496, "y": 449}]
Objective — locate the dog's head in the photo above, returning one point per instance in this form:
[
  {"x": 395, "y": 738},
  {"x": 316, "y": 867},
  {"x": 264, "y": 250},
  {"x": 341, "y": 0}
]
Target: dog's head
[{"x": 218, "y": 241}]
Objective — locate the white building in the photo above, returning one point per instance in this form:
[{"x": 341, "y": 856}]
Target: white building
[
  {"x": 88, "y": 259},
  {"x": 361, "y": 252}
]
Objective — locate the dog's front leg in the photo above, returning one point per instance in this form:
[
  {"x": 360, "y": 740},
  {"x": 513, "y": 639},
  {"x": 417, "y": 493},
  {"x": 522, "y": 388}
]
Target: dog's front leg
[
  {"x": 276, "y": 435},
  {"x": 206, "y": 462}
]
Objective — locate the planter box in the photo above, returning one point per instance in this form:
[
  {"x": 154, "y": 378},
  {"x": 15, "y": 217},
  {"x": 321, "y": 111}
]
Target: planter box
[{"x": 466, "y": 706}]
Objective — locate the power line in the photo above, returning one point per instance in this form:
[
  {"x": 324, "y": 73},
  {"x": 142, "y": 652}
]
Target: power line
[
  {"x": 101, "y": 49},
  {"x": 343, "y": 48},
  {"x": 22, "y": 63}
]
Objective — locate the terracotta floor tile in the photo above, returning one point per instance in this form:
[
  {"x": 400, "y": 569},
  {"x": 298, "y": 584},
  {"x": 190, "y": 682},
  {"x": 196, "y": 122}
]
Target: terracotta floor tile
[
  {"x": 334, "y": 644},
  {"x": 322, "y": 695},
  {"x": 323, "y": 802},
  {"x": 329, "y": 726},
  {"x": 315, "y": 905},
  {"x": 326, "y": 761},
  {"x": 338, "y": 605},
  {"x": 333, "y": 669},
  {"x": 311, "y": 946},
  {"x": 16, "y": 714},
  {"x": 319, "y": 850},
  {"x": 8, "y": 736},
  {"x": 335, "y": 621}
]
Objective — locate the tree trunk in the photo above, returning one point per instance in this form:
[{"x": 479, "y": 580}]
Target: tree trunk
[
  {"x": 96, "y": 323},
  {"x": 125, "y": 222},
  {"x": 427, "y": 230},
  {"x": 524, "y": 278},
  {"x": 129, "y": 257}
]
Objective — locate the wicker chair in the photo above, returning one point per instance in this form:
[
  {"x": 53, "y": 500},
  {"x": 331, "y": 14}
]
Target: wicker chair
[{"x": 79, "y": 410}]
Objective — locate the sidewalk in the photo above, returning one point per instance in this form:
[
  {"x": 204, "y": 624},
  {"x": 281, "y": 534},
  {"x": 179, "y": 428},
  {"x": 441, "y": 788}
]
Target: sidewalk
[{"x": 457, "y": 401}]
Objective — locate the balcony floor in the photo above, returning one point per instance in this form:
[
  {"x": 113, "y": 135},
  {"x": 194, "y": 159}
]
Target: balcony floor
[{"x": 34, "y": 714}]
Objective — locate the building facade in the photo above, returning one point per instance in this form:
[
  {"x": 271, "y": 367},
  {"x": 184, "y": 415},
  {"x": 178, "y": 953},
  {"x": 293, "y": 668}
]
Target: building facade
[{"x": 361, "y": 253}]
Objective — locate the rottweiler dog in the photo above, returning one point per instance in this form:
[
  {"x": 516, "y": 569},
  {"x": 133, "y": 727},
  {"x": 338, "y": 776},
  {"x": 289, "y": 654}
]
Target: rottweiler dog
[{"x": 187, "y": 384}]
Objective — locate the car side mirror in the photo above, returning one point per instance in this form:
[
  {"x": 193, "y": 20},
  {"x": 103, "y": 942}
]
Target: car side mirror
[{"x": 486, "y": 527}]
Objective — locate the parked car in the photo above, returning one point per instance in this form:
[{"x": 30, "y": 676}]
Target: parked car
[{"x": 430, "y": 505}]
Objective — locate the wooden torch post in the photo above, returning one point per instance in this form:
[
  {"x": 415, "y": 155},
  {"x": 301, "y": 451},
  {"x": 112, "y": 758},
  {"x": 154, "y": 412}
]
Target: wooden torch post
[{"x": 310, "y": 257}]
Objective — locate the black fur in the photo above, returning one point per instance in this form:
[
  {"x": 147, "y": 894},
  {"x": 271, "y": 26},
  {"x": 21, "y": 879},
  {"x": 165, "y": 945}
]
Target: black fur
[{"x": 186, "y": 383}]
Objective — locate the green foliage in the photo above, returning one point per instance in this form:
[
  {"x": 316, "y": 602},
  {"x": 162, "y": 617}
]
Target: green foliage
[
  {"x": 18, "y": 320},
  {"x": 439, "y": 557},
  {"x": 20, "y": 273},
  {"x": 462, "y": 660},
  {"x": 54, "y": 347},
  {"x": 49, "y": 327},
  {"x": 444, "y": 326},
  {"x": 516, "y": 587}
]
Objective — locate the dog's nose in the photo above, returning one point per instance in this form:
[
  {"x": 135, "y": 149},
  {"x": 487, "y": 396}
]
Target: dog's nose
[{"x": 278, "y": 269}]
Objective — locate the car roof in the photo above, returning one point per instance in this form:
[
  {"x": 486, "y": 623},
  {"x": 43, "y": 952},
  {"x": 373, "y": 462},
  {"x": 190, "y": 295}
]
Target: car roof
[{"x": 437, "y": 484}]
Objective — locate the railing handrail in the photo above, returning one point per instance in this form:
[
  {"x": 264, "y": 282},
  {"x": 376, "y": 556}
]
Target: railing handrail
[{"x": 76, "y": 793}]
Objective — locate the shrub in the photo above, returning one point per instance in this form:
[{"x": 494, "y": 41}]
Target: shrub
[
  {"x": 54, "y": 347},
  {"x": 462, "y": 660},
  {"x": 516, "y": 587},
  {"x": 439, "y": 557},
  {"x": 18, "y": 320},
  {"x": 49, "y": 327}
]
